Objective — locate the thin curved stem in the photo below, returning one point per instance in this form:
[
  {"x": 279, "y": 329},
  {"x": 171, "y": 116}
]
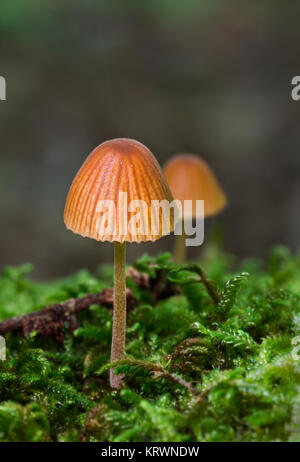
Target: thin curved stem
[{"x": 119, "y": 314}]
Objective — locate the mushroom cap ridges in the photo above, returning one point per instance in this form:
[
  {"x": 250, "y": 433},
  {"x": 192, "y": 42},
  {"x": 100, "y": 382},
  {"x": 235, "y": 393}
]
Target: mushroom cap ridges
[
  {"x": 190, "y": 178},
  {"x": 116, "y": 166}
]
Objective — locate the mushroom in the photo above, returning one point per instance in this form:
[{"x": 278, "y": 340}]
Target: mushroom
[
  {"x": 190, "y": 178},
  {"x": 120, "y": 177}
]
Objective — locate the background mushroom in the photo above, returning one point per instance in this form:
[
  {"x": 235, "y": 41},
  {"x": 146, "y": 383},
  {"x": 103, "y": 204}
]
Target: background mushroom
[
  {"x": 191, "y": 178},
  {"x": 121, "y": 171}
]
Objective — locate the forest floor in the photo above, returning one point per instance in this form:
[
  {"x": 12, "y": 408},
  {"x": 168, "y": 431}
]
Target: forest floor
[{"x": 211, "y": 353}]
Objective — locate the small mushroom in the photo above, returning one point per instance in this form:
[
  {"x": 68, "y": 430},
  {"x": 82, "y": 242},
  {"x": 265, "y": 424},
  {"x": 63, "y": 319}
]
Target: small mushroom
[
  {"x": 190, "y": 178},
  {"x": 115, "y": 197}
]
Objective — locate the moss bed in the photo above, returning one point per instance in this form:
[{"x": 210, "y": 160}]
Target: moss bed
[{"x": 209, "y": 357}]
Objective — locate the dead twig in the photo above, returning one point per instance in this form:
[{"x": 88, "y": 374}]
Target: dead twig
[{"x": 50, "y": 321}]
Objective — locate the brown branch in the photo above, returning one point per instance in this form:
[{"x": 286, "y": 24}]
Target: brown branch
[{"x": 50, "y": 321}]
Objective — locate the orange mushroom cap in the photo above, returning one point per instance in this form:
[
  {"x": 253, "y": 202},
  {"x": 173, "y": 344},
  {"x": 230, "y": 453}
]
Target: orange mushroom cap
[
  {"x": 190, "y": 178},
  {"x": 117, "y": 166}
]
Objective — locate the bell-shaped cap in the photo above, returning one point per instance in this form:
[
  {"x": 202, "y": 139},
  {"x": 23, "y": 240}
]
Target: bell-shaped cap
[
  {"x": 120, "y": 194},
  {"x": 190, "y": 178}
]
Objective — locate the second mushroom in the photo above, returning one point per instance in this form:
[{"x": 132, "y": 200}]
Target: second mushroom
[{"x": 191, "y": 178}]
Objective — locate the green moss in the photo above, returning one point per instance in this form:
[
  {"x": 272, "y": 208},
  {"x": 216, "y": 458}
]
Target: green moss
[{"x": 210, "y": 362}]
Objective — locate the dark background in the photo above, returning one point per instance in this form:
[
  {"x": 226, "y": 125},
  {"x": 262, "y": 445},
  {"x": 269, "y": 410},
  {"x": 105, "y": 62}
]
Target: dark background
[{"x": 209, "y": 76}]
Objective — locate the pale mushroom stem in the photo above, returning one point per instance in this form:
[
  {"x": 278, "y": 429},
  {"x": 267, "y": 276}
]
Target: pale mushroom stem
[
  {"x": 180, "y": 248},
  {"x": 119, "y": 314}
]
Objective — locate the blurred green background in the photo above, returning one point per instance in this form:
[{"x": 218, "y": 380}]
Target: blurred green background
[{"x": 207, "y": 76}]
